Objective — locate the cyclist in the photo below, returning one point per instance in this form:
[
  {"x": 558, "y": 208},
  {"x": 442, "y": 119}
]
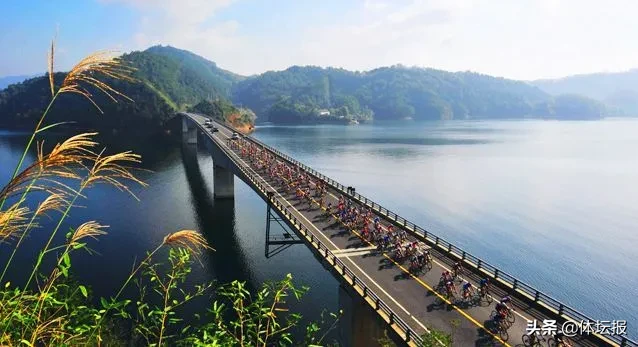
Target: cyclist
[
  {"x": 502, "y": 309},
  {"x": 561, "y": 340},
  {"x": 456, "y": 269},
  {"x": 445, "y": 276},
  {"x": 507, "y": 300},
  {"x": 450, "y": 288},
  {"x": 468, "y": 289},
  {"x": 499, "y": 318},
  {"x": 484, "y": 286},
  {"x": 421, "y": 259}
]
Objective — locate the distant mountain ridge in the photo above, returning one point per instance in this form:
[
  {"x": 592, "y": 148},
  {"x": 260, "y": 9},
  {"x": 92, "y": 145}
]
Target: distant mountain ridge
[
  {"x": 300, "y": 93},
  {"x": 618, "y": 90},
  {"x": 8, "y": 80},
  {"x": 172, "y": 79}
]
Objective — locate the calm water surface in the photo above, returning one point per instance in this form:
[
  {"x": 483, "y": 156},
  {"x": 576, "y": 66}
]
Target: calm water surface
[{"x": 553, "y": 203}]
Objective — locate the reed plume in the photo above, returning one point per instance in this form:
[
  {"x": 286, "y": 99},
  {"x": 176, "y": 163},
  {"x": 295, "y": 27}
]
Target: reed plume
[
  {"x": 59, "y": 163},
  {"x": 111, "y": 169},
  {"x": 84, "y": 73},
  {"x": 50, "y": 66},
  {"x": 12, "y": 221},
  {"x": 90, "y": 229},
  {"x": 53, "y": 202},
  {"x": 188, "y": 239}
]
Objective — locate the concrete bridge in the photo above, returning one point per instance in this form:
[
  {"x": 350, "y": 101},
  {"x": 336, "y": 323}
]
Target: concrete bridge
[{"x": 374, "y": 285}]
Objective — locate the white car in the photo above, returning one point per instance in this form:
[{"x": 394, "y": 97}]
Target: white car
[{"x": 235, "y": 136}]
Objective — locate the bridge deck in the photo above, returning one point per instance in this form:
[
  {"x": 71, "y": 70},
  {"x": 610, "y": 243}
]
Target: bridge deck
[{"x": 414, "y": 298}]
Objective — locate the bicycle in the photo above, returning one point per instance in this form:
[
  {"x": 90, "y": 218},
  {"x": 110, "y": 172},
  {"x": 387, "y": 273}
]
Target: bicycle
[
  {"x": 534, "y": 340},
  {"x": 511, "y": 318},
  {"x": 428, "y": 261},
  {"x": 501, "y": 329},
  {"x": 562, "y": 342},
  {"x": 504, "y": 321},
  {"x": 484, "y": 294}
]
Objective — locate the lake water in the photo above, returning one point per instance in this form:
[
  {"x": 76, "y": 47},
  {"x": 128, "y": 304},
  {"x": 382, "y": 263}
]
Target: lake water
[{"x": 553, "y": 203}]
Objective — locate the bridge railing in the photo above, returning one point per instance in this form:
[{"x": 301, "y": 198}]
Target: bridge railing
[
  {"x": 367, "y": 293},
  {"x": 520, "y": 289}
]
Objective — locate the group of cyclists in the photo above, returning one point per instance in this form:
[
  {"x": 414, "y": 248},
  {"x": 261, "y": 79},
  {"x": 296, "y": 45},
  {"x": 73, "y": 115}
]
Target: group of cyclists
[{"x": 361, "y": 220}]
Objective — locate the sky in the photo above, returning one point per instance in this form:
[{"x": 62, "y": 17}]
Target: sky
[{"x": 519, "y": 39}]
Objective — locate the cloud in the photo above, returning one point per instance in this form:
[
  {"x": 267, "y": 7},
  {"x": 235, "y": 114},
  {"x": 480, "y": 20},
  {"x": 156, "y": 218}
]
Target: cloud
[{"x": 519, "y": 39}]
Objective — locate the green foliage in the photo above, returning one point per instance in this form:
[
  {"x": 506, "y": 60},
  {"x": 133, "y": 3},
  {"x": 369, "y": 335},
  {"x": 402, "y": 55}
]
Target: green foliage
[
  {"x": 184, "y": 77},
  {"x": 161, "y": 296},
  {"x": 21, "y": 106},
  {"x": 224, "y": 111},
  {"x": 168, "y": 79},
  {"x": 398, "y": 92},
  {"x": 436, "y": 338}
]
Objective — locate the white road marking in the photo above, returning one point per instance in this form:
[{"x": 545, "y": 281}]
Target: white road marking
[{"x": 346, "y": 250}]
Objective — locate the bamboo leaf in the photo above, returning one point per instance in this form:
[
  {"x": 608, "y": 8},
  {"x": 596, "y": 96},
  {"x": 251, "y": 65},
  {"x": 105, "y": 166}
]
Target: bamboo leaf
[{"x": 84, "y": 291}]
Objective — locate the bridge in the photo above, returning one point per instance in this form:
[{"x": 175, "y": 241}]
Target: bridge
[{"x": 391, "y": 297}]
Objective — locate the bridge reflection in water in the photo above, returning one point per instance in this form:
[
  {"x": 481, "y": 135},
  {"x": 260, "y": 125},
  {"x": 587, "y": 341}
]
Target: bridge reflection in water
[{"x": 406, "y": 303}]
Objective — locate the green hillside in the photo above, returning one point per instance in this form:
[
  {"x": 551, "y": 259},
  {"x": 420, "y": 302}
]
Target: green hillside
[
  {"x": 298, "y": 93},
  {"x": 169, "y": 80}
]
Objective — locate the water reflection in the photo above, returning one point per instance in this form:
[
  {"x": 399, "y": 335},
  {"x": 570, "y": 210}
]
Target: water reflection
[{"x": 228, "y": 261}]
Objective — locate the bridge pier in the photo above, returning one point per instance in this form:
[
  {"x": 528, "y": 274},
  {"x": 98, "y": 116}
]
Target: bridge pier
[
  {"x": 189, "y": 131},
  {"x": 224, "y": 184},
  {"x": 359, "y": 325}
]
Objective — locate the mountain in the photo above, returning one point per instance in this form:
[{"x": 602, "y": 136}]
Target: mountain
[
  {"x": 186, "y": 77},
  {"x": 7, "y": 80},
  {"x": 618, "y": 90},
  {"x": 169, "y": 79},
  {"x": 303, "y": 94}
]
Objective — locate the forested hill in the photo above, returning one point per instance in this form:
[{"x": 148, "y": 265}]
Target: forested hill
[
  {"x": 169, "y": 80},
  {"x": 299, "y": 93}
]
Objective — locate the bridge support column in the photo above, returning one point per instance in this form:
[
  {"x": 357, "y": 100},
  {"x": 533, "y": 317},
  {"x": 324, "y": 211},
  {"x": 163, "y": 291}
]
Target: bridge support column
[
  {"x": 224, "y": 183},
  {"x": 359, "y": 325},
  {"x": 189, "y": 131}
]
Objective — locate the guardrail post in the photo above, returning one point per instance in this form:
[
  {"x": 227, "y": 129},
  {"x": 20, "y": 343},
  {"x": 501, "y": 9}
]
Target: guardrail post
[
  {"x": 478, "y": 265},
  {"x": 354, "y": 280},
  {"x": 463, "y": 256},
  {"x": 515, "y": 285},
  {"x": 537, "y": 296},
  {"x": 376, "y": 304},
  {"x": 437, "y": 241},
  {"x": 405, "y": 222},
  {"x": 365, "y": 291},
  {"x": 449, "y": 247},
  {"x": 623, "y": 343},
  {"x": 561, "y": 307},
  {"x": 407, "y": 334},
  {"x": 496, "y": 274},
  {"x": 391, "y": 317}
]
